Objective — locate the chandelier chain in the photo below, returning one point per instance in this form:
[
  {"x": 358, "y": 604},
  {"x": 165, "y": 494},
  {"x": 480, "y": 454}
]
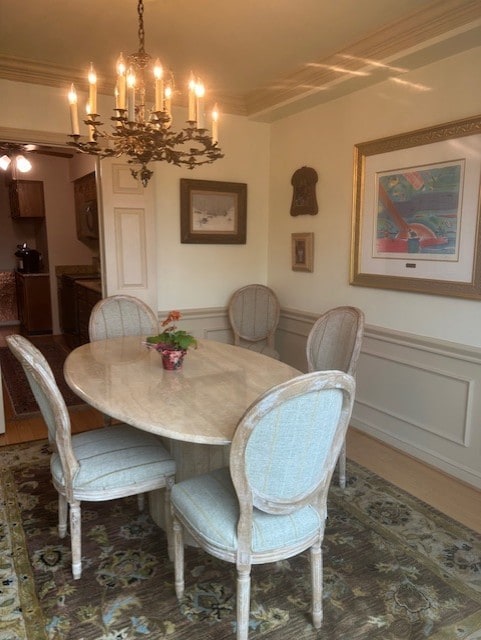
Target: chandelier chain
[{"x": 140, "y": 13}]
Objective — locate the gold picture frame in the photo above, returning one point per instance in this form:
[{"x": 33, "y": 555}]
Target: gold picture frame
[
  {"x": 416, "y": 211},
  {"x": 302, "y": 252}
]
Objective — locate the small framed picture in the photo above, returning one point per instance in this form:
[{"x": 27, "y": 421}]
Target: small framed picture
[
  {"x": 213, "y": 212},
  {"x": 303, "y": 252}
]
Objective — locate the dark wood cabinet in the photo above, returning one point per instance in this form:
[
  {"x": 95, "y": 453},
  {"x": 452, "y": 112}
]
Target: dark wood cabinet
[
  {"x": 86, "y": 300},
  {"x": 77, "y": 297},
  {"x": 26, "y": 199},
  {"x": 33, "y": 303}
]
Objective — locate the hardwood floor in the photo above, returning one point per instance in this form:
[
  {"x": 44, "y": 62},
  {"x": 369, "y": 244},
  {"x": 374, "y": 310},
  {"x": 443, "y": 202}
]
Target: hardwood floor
[
  {"x": 460, "y": 501},
  {"x": 450, "y": 496},
  {"x": 33, "y": 427}
]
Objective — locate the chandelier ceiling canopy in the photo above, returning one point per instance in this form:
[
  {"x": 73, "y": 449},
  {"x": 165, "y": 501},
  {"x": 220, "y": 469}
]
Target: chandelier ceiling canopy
[{"x": 142, "y": 125}]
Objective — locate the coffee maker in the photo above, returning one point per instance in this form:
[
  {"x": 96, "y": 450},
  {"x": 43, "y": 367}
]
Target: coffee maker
[{"x": 28, "y": 260}]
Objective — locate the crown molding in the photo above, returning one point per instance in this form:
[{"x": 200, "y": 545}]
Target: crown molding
[
  {"x": 9, "y": 134},
  {"x": 33, "y": 72},
  {"x": 414, "y": 40}
]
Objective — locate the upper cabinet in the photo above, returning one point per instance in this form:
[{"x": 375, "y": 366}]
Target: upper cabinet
[
  {"x": 26, "y": 199},
  {"x": 85, "y": 191}
]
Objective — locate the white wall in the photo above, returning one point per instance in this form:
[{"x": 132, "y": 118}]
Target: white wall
[
  {"x": 324, "y": 138},
  {"x": 205, "y": 275}
]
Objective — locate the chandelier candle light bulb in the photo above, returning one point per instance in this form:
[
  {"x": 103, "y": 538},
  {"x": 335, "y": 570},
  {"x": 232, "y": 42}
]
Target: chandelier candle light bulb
[
  {"x": 121, "y": 68},
  {"x": 199, "y": 107},
  {"x": 192, "y": 117},
  {"x": 215, "y": 125},
  {"x": 72, "y": 98},
  {"x": 92, "y": 78},
  {"x": 131, "y": 95},
  {"x": 91, "y": 128},
  {"x": 168, "y": 100},
  {"x": 159, "y": 85}
]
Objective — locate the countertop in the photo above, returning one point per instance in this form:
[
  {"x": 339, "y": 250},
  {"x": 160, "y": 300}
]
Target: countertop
[
  {"x": 33, "y": 275},
  {"x": 95, "y": 284}
]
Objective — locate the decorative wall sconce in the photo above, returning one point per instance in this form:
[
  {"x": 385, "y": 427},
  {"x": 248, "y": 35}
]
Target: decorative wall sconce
[{"x": 304, "y": 199}]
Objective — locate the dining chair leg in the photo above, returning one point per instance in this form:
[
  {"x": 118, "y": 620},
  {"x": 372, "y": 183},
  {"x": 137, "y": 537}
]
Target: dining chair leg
[
  {"x": 178, "y": 557},
  {"x": 341, "y": 462},
  {"x": 168, "y": 519},
  {"x": 316, "y": 584},
  {"x": 62, "y": 515},
  {"x": 243, "y": 602},
  {"x": 76, "y": 539}
]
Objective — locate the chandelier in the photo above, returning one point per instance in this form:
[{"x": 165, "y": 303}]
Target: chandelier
[{"x": 144, "y": 132}]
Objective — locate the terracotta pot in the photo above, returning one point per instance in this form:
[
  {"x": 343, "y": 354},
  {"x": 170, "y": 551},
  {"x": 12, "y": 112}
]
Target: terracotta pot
[{"x": 172, "y": 359}]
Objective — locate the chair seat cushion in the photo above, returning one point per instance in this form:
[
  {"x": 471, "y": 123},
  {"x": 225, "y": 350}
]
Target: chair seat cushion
[
  {"x": 113, "y": 459},
  {"x": 209, "y": 506}
]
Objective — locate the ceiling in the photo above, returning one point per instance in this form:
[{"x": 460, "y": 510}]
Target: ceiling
[{"x": 262, "y": 58}]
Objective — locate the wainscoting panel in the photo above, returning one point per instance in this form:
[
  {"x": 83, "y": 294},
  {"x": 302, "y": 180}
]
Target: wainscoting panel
[
  {"x": 430, "y": 401},
  {"x": 422, "y": 396}
]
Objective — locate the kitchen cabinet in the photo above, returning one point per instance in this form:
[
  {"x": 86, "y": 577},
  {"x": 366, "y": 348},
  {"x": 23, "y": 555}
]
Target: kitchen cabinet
[
  {"x": 87, "y": 296},
  {"x": 33, "y": 302},
  {"x": 26, "y": 199},
  {"x": 78, "y": 294}
]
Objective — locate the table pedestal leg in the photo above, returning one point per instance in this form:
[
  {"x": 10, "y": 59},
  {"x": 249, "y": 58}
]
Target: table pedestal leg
[{"x": 191, "y": 459}]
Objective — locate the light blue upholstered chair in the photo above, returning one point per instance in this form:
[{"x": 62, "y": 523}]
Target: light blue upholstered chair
[
  {"x": 121, "y": 315},
  {"x": 102, "y": 464},
  {"x": 271, "y": 503},
  {"x": 254, "y": 315},
  {"x": 334, "y": 342}
]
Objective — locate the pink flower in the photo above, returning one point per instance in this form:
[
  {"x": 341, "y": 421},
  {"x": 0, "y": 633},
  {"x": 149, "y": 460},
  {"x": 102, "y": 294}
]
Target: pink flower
[{"x": 172, "y": 317}]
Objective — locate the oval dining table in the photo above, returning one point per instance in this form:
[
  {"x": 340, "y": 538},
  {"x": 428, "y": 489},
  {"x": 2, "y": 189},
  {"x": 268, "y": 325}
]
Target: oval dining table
[{"x": 191, "y": 408}]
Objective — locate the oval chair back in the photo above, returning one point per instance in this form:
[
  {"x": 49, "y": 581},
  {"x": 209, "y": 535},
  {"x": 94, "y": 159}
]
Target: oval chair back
[
  {"x": 254, "y": 312},
  {"x": 121, "y": 315},
  {"x": 334, "y": 342}
]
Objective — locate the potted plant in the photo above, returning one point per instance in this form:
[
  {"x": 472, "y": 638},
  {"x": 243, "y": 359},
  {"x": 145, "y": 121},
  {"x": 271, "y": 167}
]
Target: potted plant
[{"x": 172, "y": 343}]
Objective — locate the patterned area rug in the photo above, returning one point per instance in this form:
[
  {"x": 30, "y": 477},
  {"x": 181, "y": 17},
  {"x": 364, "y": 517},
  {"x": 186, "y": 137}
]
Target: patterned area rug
[
  {"x": 21, "y": 396},
  {"x": 394, "y": 569}
]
